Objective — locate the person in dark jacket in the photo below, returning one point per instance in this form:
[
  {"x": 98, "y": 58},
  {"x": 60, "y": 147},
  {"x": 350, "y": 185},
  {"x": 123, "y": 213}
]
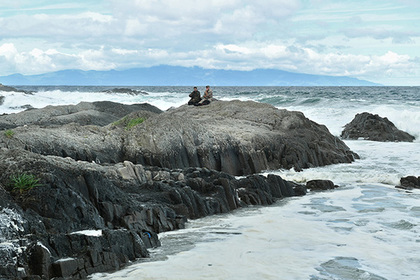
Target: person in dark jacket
[{"x": 195, "y": 97}]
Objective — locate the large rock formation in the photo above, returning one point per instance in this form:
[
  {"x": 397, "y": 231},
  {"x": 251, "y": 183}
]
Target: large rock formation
[
  {"x": 83, "y": 217},
  {"x": 100, "y": 189},
  {"x": 235, "y": 137},
  {"x": 375, "y": 128}
]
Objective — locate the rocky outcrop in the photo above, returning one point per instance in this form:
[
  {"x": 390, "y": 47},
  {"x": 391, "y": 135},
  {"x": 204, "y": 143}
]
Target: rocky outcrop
[
  {"x": 235, "y": 137},
  {"x": 99, "y": 113},
  {"x": 9, "y": 89},
  {"x": 84, "y": 217},
  {"x": 126, "y": 91},
  {"x": 409, "y": 183},
  {"x": 106, "y": 178},
  {"x": 375, "y": 128}
]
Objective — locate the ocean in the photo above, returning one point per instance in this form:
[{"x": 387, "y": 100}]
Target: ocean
[{"x": 365, "y": 229}]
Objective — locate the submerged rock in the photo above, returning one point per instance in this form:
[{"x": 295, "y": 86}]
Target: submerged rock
[{"x": 375, "y": 128}]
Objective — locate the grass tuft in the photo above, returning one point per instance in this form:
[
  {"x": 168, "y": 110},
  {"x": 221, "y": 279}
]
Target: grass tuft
[
  {"x": 24, "y": 182},
  {"x": 9, "y": 133}
]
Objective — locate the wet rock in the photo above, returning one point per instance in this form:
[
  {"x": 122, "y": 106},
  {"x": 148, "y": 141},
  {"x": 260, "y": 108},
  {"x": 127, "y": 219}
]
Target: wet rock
[
  {"x": 120, "y": 204},
  {"x": 375, "y": 128},
  {"x": 320, "y": 185},
  {"x": 409, "y": 183}
]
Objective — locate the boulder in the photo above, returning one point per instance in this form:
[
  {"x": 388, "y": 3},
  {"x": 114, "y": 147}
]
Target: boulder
[
  {"x": 374, "y": 128},
  {"x": 409, "y": 183},
  {"x": 320, "y": 185}
]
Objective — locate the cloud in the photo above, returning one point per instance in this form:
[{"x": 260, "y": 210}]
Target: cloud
[
  {"x": 314, "y": 36},
  {"x": 385, "y": 32}
]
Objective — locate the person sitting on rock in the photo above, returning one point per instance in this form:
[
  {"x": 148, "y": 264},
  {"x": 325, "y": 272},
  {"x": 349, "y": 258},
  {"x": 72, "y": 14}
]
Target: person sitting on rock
[
  {"x": 207, "y": 97},
  {"x": 195, "y": 97}
]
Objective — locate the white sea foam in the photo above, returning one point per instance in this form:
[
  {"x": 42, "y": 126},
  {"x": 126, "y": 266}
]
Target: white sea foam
[
  {"x": 369, "y": 224},
  {"x": 88, "y": 232}
]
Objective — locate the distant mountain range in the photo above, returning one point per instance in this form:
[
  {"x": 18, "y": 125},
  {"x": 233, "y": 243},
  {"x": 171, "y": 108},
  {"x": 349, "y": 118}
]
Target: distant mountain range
[{"x": 165, "y": 75}]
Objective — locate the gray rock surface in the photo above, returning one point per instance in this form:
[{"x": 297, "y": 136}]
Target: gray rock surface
[
  {"x": 98, "y": 113},
  {"x": 235, "y": 137},
  {"x": 375, "y": 128}
]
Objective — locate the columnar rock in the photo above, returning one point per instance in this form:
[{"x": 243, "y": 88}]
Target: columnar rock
[{"x": 375, "y": 128}]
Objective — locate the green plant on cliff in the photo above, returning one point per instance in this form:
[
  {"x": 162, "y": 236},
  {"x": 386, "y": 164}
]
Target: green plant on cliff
[
  {"x": 24, "y": 182},
  {"x": 134, "y": 122},
  {"x": 129, "y": 123},
  {"x": 9, "y": 133}
]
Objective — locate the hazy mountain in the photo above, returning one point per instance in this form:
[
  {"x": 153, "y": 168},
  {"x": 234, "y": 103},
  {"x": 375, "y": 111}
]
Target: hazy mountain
[{"x": 176, "y": 75}]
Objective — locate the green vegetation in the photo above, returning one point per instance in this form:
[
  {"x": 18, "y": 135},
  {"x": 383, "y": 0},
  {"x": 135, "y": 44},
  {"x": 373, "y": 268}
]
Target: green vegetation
[
  {"x": 134, "y": 122},
  {"x": 9, "y": 133},
  {"x": 129, "y": 123},
  {"x": 24, "y": 182}
]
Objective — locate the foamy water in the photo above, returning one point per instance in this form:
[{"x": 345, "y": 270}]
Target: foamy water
[{"x": 365, "y": 229}]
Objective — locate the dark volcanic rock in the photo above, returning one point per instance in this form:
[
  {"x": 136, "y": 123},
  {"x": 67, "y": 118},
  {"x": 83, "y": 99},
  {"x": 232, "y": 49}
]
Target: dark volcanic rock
[
  {"x": 84, "y": 217},
  {"x": 235, "y": 137},
  {"x": 320, "y": 185},
  {"x": 373, "y": 127},
  {"x": 409, "y": 183}
]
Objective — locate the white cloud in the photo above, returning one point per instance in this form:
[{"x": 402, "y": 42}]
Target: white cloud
[{"x": 317, "y": 36}]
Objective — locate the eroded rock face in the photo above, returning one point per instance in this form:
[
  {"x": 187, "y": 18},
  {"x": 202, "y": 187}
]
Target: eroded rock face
[
  {"x": 84, "y": 217},
  {"x": 375, "y": 128}
]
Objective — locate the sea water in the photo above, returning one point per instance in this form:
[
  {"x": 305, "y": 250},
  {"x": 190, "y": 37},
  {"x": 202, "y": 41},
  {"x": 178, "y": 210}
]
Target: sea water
[{"x": 365, "y": 229}]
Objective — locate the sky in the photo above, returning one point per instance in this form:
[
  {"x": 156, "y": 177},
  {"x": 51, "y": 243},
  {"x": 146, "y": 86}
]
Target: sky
[{"x": 374, "y": 40}]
